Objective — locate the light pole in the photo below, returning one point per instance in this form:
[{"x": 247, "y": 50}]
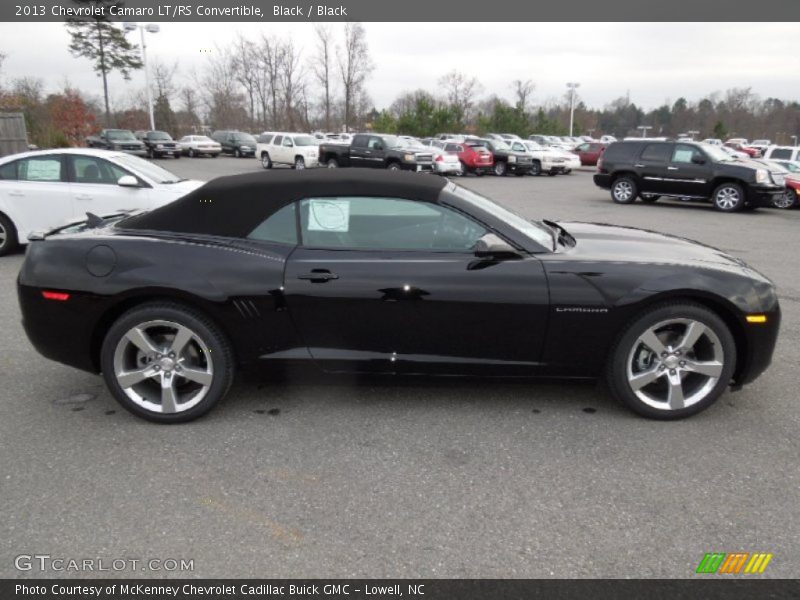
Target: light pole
[
  {"x": 794, "y": 140},
  {"x": 644, "y": 129},
  {"x": 572, "y": 86},
  {"x": 149, "y": 28}
]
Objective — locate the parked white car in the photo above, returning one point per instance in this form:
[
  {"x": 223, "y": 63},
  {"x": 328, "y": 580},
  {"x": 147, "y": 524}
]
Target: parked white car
[
  {"x": 199, "y": 145},
  {"x": 782, "y": 153},
  {"x": 444, "y": 163},
  {"x": 713, "y": 141},
  {"x": 298, "y": 150},
  {"x": 571, "y": 160},
  {"x": 45, "y": 189},
  {"x": 545, "y": 160},
  {"x": 607, "y": 139}
]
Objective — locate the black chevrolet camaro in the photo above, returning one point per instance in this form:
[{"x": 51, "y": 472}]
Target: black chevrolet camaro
[{"x": 383, "y": 272}]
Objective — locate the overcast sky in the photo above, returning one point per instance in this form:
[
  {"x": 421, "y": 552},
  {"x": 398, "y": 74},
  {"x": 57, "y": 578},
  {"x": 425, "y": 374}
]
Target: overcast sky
[{"x": 656, "y": 62}]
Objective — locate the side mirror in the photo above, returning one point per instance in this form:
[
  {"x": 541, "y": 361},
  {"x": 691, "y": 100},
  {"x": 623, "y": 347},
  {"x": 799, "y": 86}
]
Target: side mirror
[
  {"x": 698, "y": 160},
  {"x": 491, "y": 245},
  {"x": 128, "y": 181}
]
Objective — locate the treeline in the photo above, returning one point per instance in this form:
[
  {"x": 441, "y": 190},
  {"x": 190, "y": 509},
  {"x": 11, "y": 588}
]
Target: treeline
[{"x": 270, "y": 83}]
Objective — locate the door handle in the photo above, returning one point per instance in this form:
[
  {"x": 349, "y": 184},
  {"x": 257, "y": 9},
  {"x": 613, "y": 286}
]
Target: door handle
[
  {"x": 16, "y": 193},
  {"x": 83, "y": 197},
  {"x": 318, "y": 276},
  {"x": 638, "y": 166},
  {"x": 672, "y": 168}
]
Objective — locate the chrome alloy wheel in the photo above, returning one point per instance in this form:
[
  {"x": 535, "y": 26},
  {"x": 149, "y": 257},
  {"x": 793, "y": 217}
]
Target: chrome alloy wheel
[
  {"x": 727, "y": 198},
  {"x": 623, "y": 191},
  {"x": 675, "y": 364},
  {"x": 163, "y": 367},
  {"x": 3, "y": 235}
]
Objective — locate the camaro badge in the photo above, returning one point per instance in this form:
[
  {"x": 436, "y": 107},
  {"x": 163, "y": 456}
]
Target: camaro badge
[{"x": 580, "y": 309}]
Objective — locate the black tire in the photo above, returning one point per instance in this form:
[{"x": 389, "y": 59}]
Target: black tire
[
  {"x": 393, "y": 166},
  {"x": 150, "y": 153},
  {"x": 649, "y": 198},
  {"x": 617, "y": 369},
  {"x": 332, "y": 163},
  {"x": 299, "y": 163},
  {"x": 266, "y": 161},
  {"x": 788, "y": 200},
  {"x": 237, "y": 153},
  {"x": 729, "y": 197},
  {"x": 191, "y": 152},
  {"x": 480, "y": 172},
  {"x": 500, "y": 168},
  {"x": 536, "y": 168},
  {"x": 552, "y": 173},
  {"x": 624, "y": 190},
  {"x": 8, "y": 236},
  {"x": 214, "y": 155},
  {"x": 177, "y": 156},
  {"x": 218, "y": 349}
]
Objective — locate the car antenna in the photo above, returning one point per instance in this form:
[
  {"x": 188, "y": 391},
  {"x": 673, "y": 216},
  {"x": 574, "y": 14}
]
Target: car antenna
[{"x": 92, "y": 220}]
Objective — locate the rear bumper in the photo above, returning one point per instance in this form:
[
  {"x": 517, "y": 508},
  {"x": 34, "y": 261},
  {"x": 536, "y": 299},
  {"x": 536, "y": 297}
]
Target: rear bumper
[{"x": 602, "y": 180}]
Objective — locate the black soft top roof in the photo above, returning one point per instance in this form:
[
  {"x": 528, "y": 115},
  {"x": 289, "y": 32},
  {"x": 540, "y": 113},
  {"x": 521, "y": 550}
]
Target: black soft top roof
[{"x": 233, "y": 206}]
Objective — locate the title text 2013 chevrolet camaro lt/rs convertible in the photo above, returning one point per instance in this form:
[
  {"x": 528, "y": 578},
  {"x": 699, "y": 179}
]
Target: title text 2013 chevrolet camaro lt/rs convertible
[{"x": 360, "y": 271}]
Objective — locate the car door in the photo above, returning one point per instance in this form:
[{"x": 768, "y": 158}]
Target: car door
[
  {"x": 359, "y": 151},
  {"x": 689, "y": 172},
  {"x": 652, "y": 167},
  {"x": 393, "y": 285},
  {"x": 94, "y": 188},
  {"x": 35, "y": 195},
  {"x": 287, "y": 151}
]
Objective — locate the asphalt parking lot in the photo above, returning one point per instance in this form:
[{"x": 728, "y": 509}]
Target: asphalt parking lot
[{"x": 338, "y": 478}]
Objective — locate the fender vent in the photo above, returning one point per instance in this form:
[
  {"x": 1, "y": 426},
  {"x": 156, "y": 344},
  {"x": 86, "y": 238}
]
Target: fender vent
[{"x": 247, "y": 309}]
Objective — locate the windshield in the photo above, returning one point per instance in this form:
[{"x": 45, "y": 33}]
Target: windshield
[
  {"x": 244, "y": 138},
  {"x": 789, "y": 166},
  {"x": 715, "y": 153},
  {"x": 147, "y": 169},
  {"x": 158, "y": 135},
  {"x": 408, "y": 143},
  {"x": 120, "y": 134},
  {"x": 392, "y": 141},
  {"x": 533, "y": 146},
  {"x": 305, "y": 140},
  {"x": 498, "y": 145},
  {"x": 535, "y": 230}
]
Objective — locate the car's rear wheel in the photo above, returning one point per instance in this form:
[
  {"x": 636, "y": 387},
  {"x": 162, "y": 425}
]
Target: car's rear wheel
[
  {"x": 332, "y": 163},
  {"x": 299, "y": 163},
  {"x": 166, "y": 363},
  {"x": 536, "y": 168},
  {"x": 788, "y": 200},
  {"x": 500, "y": 168},
  {"x": 673, "y": 361},
  {"x": 191, "y": 152},
  {"x": 393, "y": 166},
  {"x": 266, "y": 161},
  {"x": 729, "y": 197},
  {"x": 8, "y": 235},
  {"x": 624, "y": 190},
  {"x": 237, "y": 153},
  {"x": 649, "y": 198}
]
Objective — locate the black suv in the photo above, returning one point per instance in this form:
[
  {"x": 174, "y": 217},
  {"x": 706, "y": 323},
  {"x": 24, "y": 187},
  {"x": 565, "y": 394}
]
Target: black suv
[
  {"x": 649, "y": 169},
  {"x": 159, "y": 143},
  {"x": 238, "y": 143},
  {"x": 506, "y": 160}
]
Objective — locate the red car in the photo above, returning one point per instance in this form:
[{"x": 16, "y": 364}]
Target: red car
[
  {"x": 789, "y": 200},
  {"x": 589, "y": 152},
  {"x": 751, "y": 152},
  {"x": 474, "y": 157}
]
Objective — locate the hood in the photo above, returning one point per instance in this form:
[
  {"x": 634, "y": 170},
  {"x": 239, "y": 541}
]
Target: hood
[
  {"x": 167, "y": 192},
  {"x": 612, "y": 243}
]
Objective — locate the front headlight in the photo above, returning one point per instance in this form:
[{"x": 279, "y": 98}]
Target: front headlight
[
  {"x": 512, "y": 159},
  {"x": 409, "y": 158},
  {"x": 159, "y": 145},
  {"x": 762, "y": 176}
]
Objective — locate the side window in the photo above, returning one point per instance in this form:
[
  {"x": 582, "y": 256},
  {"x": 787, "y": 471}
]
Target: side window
[
  {"x": 9, "y": 171},
  {"x": 277, "y": 141},
  {"x": 375, "y": 143},
  {"x": 452, "y": 148},
  {"x": 784, "y": 153},
  {"x": 362, "y": 223},
  {"x": 518, "y": 147},
  {"x": 583, "y": 148},
  {"x": 89, "y": 169},
  {"x": 685, "y": 154},
  {"x": 280, "y": 227},
  {"x": 287, "y": 141},
  {"x": 40, "y": 168},
  {"x": 360, "y": 141},
  {"x": 656, "y": 152}
]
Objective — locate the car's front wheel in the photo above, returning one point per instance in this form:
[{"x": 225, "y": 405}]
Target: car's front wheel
[
  {"x": 8, "y": 235},
  {"x": 191, "y": 152},
  {"x": 266, "y": 161},
  {"x": 299, "y": 163},
  {"x": 729, "y": 197},
  {"x": 624, "y": 190},
  {"x": 673, "y": 361},
  {"x": 500, "y": 168},
  {"x": 166, "y": 363},
  {"x": 237, "y": 153}
]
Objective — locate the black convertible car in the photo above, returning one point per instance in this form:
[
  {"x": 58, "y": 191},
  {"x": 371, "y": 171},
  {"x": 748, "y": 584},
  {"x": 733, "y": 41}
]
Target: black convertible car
[{"x": 384, "y": 272}]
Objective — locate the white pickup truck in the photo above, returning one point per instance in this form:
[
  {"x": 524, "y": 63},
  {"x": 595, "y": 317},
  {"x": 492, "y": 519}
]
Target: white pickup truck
[
  {"x": 545, "y": 160},
  {"x": 298, "y": 150}
]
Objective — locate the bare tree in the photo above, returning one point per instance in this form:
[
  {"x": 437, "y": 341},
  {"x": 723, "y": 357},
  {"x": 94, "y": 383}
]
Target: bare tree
[
  {"x": 291, "y": 77},
  {"x": 223, "y": 98},
  {"x": 245, "y": 66},
  {"x": 164, "y": 79},
  {"x": 270, "y": 59},
  {"x": 460, "y": 91},
  {"x": 322, "y": 69},
  {"x": 523, "y": 90},
  {"x": 354, "y": 66}
]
